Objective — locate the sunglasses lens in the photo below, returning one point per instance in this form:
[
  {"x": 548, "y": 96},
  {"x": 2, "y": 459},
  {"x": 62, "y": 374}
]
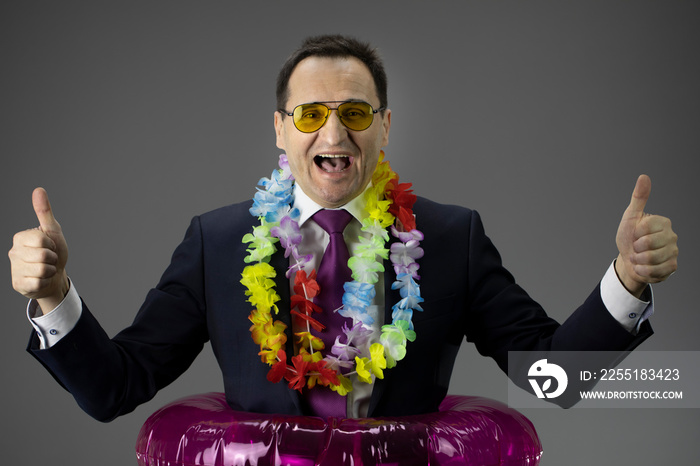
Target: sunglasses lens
[
  {"x": 310, "y": 117},
  {"x": 357, "y": 116}
]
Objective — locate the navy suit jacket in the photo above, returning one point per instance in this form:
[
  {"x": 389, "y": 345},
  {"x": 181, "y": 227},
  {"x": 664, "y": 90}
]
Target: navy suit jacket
[{"x": 200, "y": 298}]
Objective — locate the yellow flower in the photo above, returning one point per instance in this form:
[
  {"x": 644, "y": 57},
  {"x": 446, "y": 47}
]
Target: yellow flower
[
  {"x": 260, "y": 274},
  {"x": 362, "y": 372},
  {"x": 258, "y": 317},
  {"x": 383, "y": 174},
  {"x": 257, "y": 330},
  {"x": 267, "y": 333},
  {"x": 310, "y": 357},
  {"x": 263, "y": 299},
  {"x": 258, "y": 279},
  {"x": 268, "y": 356},
  {"x": 345, "y": 386},
  {"x": 378, "y": 361},
  {"x": 378, "y": 209},
  {"x": 375, "y": 365},
  {"x": 306, "y": 340},
  {"x": 276, "y": 336}
]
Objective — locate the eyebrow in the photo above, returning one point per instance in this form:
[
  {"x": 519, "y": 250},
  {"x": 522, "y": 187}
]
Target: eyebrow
[{"x": 336, "y": 102}]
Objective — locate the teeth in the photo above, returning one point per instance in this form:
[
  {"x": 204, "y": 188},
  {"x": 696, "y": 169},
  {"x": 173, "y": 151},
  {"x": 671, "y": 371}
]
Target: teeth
[{"x": 331, "y": 156}]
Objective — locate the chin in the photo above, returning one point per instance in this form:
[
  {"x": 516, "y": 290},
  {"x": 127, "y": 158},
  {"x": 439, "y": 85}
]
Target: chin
[{"x": 335, "y": 199}]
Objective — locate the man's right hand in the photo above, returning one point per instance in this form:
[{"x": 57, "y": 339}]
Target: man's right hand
[{"x": 38, "y": 258}]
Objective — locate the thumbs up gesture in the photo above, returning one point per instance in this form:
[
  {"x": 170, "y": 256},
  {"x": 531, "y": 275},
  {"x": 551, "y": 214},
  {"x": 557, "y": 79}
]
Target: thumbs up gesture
[
  {"x": 38, "y": 257},
  {"x": 646, "y": 243}
]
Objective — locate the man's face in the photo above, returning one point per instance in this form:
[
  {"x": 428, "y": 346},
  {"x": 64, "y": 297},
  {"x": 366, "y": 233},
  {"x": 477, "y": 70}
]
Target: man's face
[{"x": 334, "y": 164}]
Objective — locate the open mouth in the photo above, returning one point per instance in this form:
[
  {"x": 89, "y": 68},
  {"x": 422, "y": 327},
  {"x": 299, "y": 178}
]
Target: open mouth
[{"x": 333, "y": 163}]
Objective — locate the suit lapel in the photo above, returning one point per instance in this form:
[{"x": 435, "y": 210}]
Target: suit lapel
[
  {"x": 380, "y": 384},
  {"x": 280, "y": 264}
]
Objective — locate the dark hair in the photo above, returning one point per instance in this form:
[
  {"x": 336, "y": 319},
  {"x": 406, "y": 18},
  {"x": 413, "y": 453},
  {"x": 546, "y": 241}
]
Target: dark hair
[{"x": 333, "y": 46}]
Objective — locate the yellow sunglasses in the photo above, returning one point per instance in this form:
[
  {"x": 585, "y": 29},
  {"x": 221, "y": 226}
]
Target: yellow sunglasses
[{"x": 355, "y": 115}]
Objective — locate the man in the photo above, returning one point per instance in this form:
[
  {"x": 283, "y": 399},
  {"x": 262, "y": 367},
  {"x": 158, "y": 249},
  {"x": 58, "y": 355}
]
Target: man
[{"x": 332, "y": 122}]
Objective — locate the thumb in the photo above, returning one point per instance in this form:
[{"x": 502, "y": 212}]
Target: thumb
[
  {"x": 640, "y": 196},
  {"x": 42, "y": 208}
]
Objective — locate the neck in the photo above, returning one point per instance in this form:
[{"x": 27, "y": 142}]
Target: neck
[{"x": 307, "y": 206}]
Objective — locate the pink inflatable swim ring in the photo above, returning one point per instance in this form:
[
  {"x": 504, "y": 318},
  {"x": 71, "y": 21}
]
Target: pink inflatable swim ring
[{"x": 204, "y": 430}]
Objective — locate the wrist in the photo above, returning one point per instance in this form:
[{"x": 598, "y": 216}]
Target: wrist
[
  {"x": 49, "y": 303},
  {"x": 634, "y": 287}
]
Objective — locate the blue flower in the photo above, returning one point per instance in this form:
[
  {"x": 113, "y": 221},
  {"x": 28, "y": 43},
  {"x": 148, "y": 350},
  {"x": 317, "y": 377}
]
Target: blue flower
[
  {"x": 409, "y": 302},
  {"x": 356, "y": 299},
  {"x": 356, "y": 314},
  {"x": 363, "y": 291},
  {"x": 265, "y": 203},
  {"x": 278, "y": 185},
  {"x": 406, "y": 285}
]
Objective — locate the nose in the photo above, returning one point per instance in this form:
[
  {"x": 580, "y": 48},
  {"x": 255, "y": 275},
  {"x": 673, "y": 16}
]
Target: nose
[{"x": 333, "y": 132}]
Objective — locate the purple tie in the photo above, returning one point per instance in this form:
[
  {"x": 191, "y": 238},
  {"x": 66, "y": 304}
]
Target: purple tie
[{"x": 333, "y": 272}]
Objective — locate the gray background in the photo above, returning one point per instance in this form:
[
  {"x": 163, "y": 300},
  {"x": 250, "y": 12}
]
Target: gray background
[{"x": 138, "y": 115}]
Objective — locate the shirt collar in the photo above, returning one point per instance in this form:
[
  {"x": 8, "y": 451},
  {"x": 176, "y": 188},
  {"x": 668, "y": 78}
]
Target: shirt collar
[{"x": 307, "y": 207}]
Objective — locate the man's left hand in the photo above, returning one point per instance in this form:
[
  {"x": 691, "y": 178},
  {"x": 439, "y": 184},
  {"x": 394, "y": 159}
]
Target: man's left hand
[{"x": 648, "y": 250}]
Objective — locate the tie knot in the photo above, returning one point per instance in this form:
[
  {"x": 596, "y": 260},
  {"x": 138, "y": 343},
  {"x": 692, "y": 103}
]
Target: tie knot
[{"x": 333, "y": 221}]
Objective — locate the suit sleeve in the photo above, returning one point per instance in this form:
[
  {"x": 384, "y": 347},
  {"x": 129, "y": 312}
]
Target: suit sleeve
[
  {"x": 503, "y": 317},
  {"x": 111, "y": 377},
  {"x": 508, "y": 325}
]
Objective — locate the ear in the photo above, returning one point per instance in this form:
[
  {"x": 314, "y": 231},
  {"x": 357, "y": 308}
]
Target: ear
[
  {"x": 279, "y": 130},
  {"x": 386, "y": 125}
]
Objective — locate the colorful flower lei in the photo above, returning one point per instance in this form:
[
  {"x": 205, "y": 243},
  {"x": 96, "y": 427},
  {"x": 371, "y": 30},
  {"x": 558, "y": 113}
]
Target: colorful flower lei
[{"x": 388, "y": 204}]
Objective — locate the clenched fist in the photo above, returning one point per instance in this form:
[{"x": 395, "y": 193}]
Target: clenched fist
[
  {"x": 38, "y": 257},
  {"x": 646, "y": 243}
]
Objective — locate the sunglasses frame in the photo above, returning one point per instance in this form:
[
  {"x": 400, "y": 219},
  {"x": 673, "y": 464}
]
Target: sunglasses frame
[{"x": 340, "y": 103}]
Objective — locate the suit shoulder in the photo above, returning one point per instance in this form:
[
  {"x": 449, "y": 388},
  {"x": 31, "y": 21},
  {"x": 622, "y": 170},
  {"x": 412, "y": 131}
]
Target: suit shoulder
[
  {"x": 228, "y": 218},
  {"x": 432, "y": 212},
  {"x": 232, "y": 210},
  {"x": 423, "y": 203}
]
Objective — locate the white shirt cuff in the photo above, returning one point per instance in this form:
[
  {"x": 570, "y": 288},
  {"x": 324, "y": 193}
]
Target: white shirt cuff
[
  {"x": 629, "y": 311},
  {"x": 53, "y": 326}
]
